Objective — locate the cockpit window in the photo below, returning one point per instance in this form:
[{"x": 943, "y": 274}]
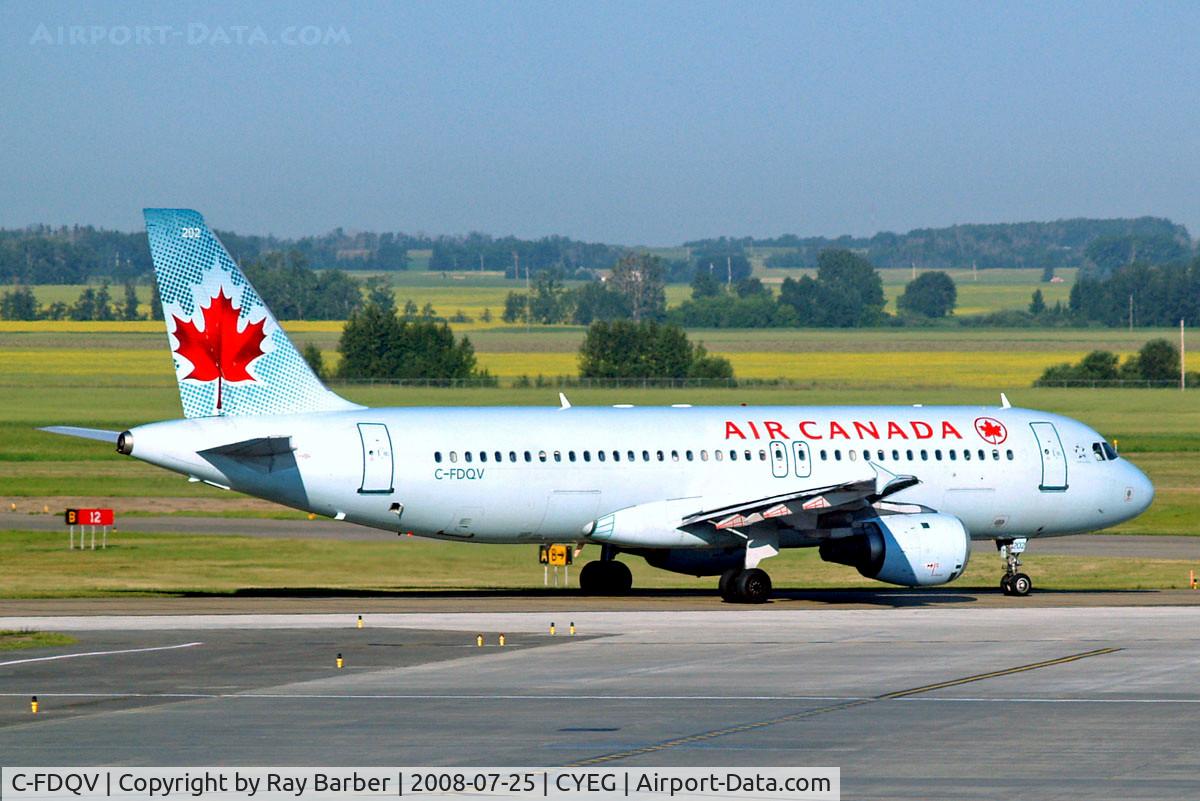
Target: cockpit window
[
  {"x": 1104, "y": 452},
  {"x": 1099, "y": 451},
  {"x": 1109, "y": 451}
]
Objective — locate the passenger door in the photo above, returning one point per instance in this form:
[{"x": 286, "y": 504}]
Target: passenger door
[
  {"x": 1054, "y": 460},
  {"x": 378, "y": 465}
]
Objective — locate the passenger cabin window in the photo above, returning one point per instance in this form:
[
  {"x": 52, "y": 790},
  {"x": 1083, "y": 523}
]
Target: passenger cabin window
[
  {"x": 645, "y": 456},
  {"x": 937, "y": 454},
  {"x": 747, "y": 454},
  {"x": 483, "y": 456},
  {"x": 661, "y": 458},
  {"x": 720, "y": 455},
  {"x": 467, "y": 456},
  {"x": 924, "y": 455},
  {"x": 982, "y": 455},
  {"x": 824, "y": 455},
  {"x": 908, "y": 455},
  {"x": 453, "y": 456},
  {"x": 1009, "y": 454},
  {"x": 631, "y": 456},
  {"x": 895, "y": 456},
  {"x": 616, "y": 456},
  {"x": 881, "y": 456},
  {"x": 762, "y": 456},
  {"x": 733, "y": 456},
  {"x": 528, "y": 456},
  {"x": 953, "y": 455},
  {"x": 437, "y": 456},
  {"x": 541, "y": 456},
  {"x": 689, "y": 456},
  {"x": 967, "y": 454},
  {"x": 996, "y": 456},
  {"x": 499, "y": 456},
  {"x": 837, "y": 455},
  {"x": 512, "y": 456},
  {"x": 600, "y": 455},
  {"x": 558, "y": 456},
  {"x": 587, "y": 456},
  {"x": 571, "y": 456},
  {"x": 674, "y": 456},
  {"x": 704, "y": 456}
]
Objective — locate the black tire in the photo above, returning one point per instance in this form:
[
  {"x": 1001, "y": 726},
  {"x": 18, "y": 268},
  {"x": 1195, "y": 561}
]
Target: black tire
[
  {"x": 726, "y": 585},
  {"x": 592, "y": 578},
  {"x": 1004, "y": 585},
  {"x": 620, "y": 579},
  {"x": 753, "y": 586},
  {"x": 1020, "y": 585}
]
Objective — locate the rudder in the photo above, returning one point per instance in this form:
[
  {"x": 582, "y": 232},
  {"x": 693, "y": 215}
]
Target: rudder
[{"x": 231, "y": 356}]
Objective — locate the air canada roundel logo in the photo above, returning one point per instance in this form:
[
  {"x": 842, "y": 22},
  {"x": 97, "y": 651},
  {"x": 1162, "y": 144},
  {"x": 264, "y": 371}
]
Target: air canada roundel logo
[{"x": 990, "y": 430}]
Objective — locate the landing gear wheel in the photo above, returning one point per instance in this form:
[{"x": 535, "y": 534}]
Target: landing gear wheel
[
  {"x": 605, "y": 578},
  {"x": 1019, "y": 585},
  {"x": 753, "y": 586},
  {"x": 725, "y": 585},
  {"x": 620, "y": 579},
  {"x": 591, "y": 578},
  {"x": 1004, "y": 585}
]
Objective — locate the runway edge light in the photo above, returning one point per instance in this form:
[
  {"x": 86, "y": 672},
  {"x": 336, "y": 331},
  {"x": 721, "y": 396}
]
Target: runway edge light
[
  {"x": 359, "y": 623},
  {"x": 33, "y": 705},
  {"x": 340, "y": 661},
  {"x": 551, "y": 628},
  {"x": 479, "y": 640},
  {"x": 502, "y": 638},
  {"x": 572, "y": 628}
]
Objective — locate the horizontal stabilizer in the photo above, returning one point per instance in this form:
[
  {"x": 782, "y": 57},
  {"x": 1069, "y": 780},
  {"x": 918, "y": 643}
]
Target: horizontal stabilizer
[
  {"x": 85, "y": 433},
  {"x": 263, "y": 454}
]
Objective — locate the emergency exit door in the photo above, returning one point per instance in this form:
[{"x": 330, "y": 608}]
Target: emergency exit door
[
  {"x": 1054, "y": 460},
  {"x": 377, "y": 458}
]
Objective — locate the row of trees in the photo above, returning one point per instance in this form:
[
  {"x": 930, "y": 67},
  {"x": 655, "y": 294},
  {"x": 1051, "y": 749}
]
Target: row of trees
[
  {"x": 1061, "y": 243},
  {"x": 1157, "y": 361},
  {"x": 93, "y": 303}
]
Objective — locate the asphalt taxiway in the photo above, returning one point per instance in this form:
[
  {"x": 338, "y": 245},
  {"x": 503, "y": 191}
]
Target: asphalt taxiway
[{"x": 918, "y": 702}]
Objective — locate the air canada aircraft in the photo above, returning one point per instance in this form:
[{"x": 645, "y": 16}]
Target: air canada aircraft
[{"x": 897, "y": 492}]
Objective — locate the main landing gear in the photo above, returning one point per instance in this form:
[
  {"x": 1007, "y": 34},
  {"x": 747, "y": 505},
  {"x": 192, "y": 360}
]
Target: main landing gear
[
  {"x": 739, "y": 585},
  {"x": 605, "y": 576},
  {"x": 1014, "y": 582}
]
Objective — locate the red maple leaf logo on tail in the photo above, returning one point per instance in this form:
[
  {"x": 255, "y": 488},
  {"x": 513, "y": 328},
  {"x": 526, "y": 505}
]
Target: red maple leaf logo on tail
[{"x": 220, "y": 352}]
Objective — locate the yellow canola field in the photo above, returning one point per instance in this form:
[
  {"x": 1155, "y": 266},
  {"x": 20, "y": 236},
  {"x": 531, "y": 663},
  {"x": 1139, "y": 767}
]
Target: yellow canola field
[{"x": 114, "y": 366}]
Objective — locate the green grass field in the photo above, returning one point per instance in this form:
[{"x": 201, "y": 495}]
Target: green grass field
[{"x": 37, "y": 566}]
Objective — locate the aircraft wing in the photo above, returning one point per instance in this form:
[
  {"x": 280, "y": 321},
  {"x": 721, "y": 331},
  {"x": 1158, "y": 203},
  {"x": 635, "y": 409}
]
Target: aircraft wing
[{"x": 810, "y": 501}]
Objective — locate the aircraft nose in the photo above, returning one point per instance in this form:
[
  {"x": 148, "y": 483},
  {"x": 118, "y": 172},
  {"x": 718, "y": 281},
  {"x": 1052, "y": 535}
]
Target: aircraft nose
[{"x": 1139, "y": 492}]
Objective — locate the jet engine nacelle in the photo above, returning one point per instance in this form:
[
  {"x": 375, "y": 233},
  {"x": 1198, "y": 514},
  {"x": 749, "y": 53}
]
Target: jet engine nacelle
[
  {"x": 915, "y": 550},
  {"x": 648, "y": 525}
]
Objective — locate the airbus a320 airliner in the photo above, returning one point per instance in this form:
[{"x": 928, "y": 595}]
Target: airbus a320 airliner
[{"x": 898, "y": 492}]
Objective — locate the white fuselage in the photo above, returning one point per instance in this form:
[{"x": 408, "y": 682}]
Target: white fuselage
[{"x": 541, "y": 475}]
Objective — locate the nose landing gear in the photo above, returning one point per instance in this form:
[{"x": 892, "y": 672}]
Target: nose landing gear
[{"x": 1014, "y": 581}]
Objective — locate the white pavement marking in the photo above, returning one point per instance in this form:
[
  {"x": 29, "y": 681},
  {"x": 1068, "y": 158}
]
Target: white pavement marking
[{"x": 100, "y": 653}]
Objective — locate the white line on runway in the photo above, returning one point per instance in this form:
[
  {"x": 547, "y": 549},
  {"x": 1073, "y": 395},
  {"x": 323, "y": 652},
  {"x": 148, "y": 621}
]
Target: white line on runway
[
  {"x": 100, "y": 653},
  {"x": 569, "y": 697}
]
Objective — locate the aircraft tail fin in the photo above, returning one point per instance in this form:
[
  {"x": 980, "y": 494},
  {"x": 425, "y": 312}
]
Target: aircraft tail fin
[{"x": 231, "y": 356}]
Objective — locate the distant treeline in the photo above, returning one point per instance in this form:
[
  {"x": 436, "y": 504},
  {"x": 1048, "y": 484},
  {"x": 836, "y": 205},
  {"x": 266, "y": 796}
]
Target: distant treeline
[
  {"x": 1062, "y": 243},
  {"x": 81, "y": 254}
]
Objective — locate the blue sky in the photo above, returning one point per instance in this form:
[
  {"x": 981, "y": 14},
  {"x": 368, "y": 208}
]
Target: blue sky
[{"x": 638, "y": 123}]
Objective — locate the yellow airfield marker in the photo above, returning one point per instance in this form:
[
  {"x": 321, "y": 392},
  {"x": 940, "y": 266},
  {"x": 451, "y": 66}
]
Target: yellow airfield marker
[
  {"x": 551, "y": 628},
  {"x": 33, "y": 705},
  {"x": 572, "y": 628},
  {"x": 502, "y": 639},
  {"x": 340, "y": 661},
  {"x": 360, "y": 621},
  {"x": 479, "y": 640}
]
